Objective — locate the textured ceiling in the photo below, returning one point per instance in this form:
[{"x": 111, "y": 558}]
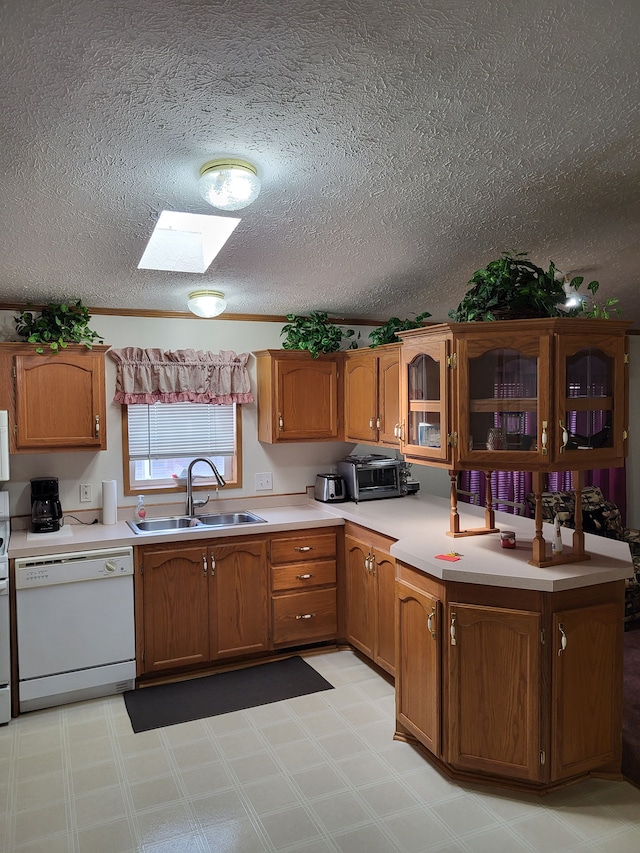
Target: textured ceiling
[{"x": 401, "y": 145}]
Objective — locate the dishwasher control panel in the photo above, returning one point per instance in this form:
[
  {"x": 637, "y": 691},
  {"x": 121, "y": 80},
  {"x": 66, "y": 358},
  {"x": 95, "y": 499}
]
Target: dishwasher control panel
[{"x": 72, "y": 567}]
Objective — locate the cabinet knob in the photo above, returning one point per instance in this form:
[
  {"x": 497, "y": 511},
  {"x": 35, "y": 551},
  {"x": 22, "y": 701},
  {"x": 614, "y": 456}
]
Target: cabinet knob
[
  {"x": 303, "y": 577},
  {"x": 306, "y": 616},
  {"x": 303, "y": 548}
]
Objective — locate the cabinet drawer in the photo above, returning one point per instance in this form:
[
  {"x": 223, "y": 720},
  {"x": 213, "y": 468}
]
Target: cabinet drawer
[
  {"x": 304, "y": 617},
  {"x": 303, "y": 546},
  {"x": 303, "y": 575}
]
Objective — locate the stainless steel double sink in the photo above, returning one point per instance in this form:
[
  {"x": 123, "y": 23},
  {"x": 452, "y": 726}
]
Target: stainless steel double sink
[{"x": 185, "y": 522}]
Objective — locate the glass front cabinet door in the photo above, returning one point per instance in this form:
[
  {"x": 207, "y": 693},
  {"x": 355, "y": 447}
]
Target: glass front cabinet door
[
  {"x": 504, "y": 396},
  {"x": 424, "y": 392}
]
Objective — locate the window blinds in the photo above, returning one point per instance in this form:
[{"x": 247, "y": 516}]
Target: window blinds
[{"x": 176, "y": 430}]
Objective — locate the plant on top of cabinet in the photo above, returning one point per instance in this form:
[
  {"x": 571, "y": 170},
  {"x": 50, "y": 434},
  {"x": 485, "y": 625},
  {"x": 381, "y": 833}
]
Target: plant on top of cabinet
[
  {"x": 57, "y": 325},
  {"x": 315, "y": 333},
  {"x": 513, "y": 287},
  {"x": 386, "y": 333}
]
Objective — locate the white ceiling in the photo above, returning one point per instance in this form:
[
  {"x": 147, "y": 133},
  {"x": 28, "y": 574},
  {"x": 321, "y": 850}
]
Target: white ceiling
[{"x": 401, "y": 145}]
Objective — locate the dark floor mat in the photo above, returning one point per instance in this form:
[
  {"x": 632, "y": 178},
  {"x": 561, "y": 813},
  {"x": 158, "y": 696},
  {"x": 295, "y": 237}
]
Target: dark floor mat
[{"x": 180, "y": 702}]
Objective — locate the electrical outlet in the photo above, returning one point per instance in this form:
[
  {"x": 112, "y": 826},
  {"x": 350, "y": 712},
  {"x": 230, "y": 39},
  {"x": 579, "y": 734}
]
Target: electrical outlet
[
  {"x": 264, "y": 481},
  {"x": 85, "y": 492}
]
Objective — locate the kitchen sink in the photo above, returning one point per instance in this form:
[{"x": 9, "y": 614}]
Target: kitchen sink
[
  {"x": 184, "y": 522},
  {"x": 223, "y": 519}
]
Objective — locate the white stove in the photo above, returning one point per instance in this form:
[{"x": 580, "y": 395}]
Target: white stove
[{"x": 5, "y": 657}]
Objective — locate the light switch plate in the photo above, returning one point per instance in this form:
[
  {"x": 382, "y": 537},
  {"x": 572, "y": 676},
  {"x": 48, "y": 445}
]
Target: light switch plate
[{"x": 264, "y": 481}]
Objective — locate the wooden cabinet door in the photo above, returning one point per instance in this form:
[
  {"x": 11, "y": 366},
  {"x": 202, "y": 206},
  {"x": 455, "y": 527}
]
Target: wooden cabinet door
[
  {"x": 591, "y": 400},
  {"x": 175, "y": 607},
  {"x": 586, "y": 702},
  {"x": 307, "y": 400},
  {"x": 359, "y": 592},
  {"x": 60, "y": 401},
  {"x": 493, "y": 657},
  {"x": 361, "y": 398},
  {"x": 418, "y": 670},
  {"x": 385, "y": 583},
  {"x": 424, "y": 401},
  {"x": 389, "y": 397},
  {"x": 239, "y": 598}
]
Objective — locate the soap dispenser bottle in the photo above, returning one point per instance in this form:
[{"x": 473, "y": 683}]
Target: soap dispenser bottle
[{"x": 140, "y": 511}]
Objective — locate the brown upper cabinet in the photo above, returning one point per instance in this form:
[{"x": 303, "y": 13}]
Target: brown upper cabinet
[
  {"x": 532, "y": 395},
  {"x": 55, "y": 401},
  {"x": 372, "y": 395},
  {"x": 299, "y": 397}
]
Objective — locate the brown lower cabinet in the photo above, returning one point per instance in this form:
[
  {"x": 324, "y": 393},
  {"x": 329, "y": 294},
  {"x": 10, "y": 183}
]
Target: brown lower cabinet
[
  {"x": 514, "y": 686},
  {"x": 202, "y": 602},
  {"x": 370, "y": 594}
]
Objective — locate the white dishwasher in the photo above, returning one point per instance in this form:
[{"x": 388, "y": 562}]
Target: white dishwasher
[{"x": 75, "y": 626}]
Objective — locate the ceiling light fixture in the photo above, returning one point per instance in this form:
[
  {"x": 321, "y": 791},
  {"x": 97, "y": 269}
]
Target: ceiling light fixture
[
  {"x": 229, "y": 184},
  {"x": 207, "y": 303}
]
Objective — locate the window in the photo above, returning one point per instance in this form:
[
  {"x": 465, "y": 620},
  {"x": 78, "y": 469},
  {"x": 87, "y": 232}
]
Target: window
[{"x": 163, "y": 438}]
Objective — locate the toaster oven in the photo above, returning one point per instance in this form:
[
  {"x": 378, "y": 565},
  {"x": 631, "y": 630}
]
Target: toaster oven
[{"x": 372, "y": 477}]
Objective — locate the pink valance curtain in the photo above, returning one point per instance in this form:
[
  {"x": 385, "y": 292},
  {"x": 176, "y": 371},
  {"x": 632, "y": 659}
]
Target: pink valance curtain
[{"x": 146, "y": 376}]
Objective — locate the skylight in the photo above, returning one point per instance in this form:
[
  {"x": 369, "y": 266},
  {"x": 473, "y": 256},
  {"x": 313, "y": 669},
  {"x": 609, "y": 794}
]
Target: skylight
[{"x": 186, "y": 242}]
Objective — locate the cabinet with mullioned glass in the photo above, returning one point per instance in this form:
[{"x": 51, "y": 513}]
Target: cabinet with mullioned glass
[{"x": 518, "y": 395}]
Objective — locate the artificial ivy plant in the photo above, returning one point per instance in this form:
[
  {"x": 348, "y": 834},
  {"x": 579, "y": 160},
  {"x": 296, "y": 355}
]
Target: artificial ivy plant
[
  {"x": 56, "y": 325},
  {"x": 514, "y": 287},
  {"x": 386, "y": 333},
  {"x": 315, "y": 333}
]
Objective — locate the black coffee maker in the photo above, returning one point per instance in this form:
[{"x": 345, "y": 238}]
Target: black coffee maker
[{"x": 46, "y": 511}]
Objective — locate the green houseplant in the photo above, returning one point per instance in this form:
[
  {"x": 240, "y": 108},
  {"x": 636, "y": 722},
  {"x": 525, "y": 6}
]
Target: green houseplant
[
  {"x": 315, "y": 333},
  {"x": 387, "y": 332},
  {"x": 513, "y": 287},
  {"x": 56, "y": 325}
]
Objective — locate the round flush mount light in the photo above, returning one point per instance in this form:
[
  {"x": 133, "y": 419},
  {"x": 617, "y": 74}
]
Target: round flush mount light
[
  {"x": 206, "y": 303},
  {"x": 229, "y": 184}
]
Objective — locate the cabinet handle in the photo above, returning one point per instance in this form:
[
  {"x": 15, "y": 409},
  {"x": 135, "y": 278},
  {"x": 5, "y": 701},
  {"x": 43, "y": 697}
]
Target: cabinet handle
[
  {"x": 97, "y": 425},
  {"x": 372, "y": 563},
  {"x": 306, "y": 616},
  {"x": 396, "y": 430},
  {"x": 370, "y": 423},
  {"x": 204, "y": 565},
  {"x": 543, "y": 437},
  {"x": 303, "y": 577},
  {"x": 213, "y": 565},
  {"x": 378, "y": 422},
  {"x": 430, "y": 619},
  {"x": 280, "y": 422},
  {"x": 563, "y": 640},
  {"x": 565, "y": 436},
  {"x": 452, "y": 629},
  {"x": 303, "y": 548}
]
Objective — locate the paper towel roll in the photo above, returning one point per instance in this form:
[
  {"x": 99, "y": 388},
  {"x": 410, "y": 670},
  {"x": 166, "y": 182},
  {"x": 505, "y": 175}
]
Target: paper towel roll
[{"x": 109, "y": 501}]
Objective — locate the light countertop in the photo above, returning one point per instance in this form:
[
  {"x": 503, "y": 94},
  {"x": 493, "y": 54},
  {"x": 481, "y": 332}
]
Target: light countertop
[{"x": 418, "y": 523}]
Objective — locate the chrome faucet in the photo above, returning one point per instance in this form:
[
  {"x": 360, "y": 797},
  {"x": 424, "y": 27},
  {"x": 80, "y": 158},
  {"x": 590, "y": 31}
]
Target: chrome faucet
[{"x": 191, "y": 504}]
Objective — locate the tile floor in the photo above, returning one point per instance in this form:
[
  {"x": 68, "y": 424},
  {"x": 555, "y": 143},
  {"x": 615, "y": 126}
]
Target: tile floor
[{"x": 313, "y": 774}]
